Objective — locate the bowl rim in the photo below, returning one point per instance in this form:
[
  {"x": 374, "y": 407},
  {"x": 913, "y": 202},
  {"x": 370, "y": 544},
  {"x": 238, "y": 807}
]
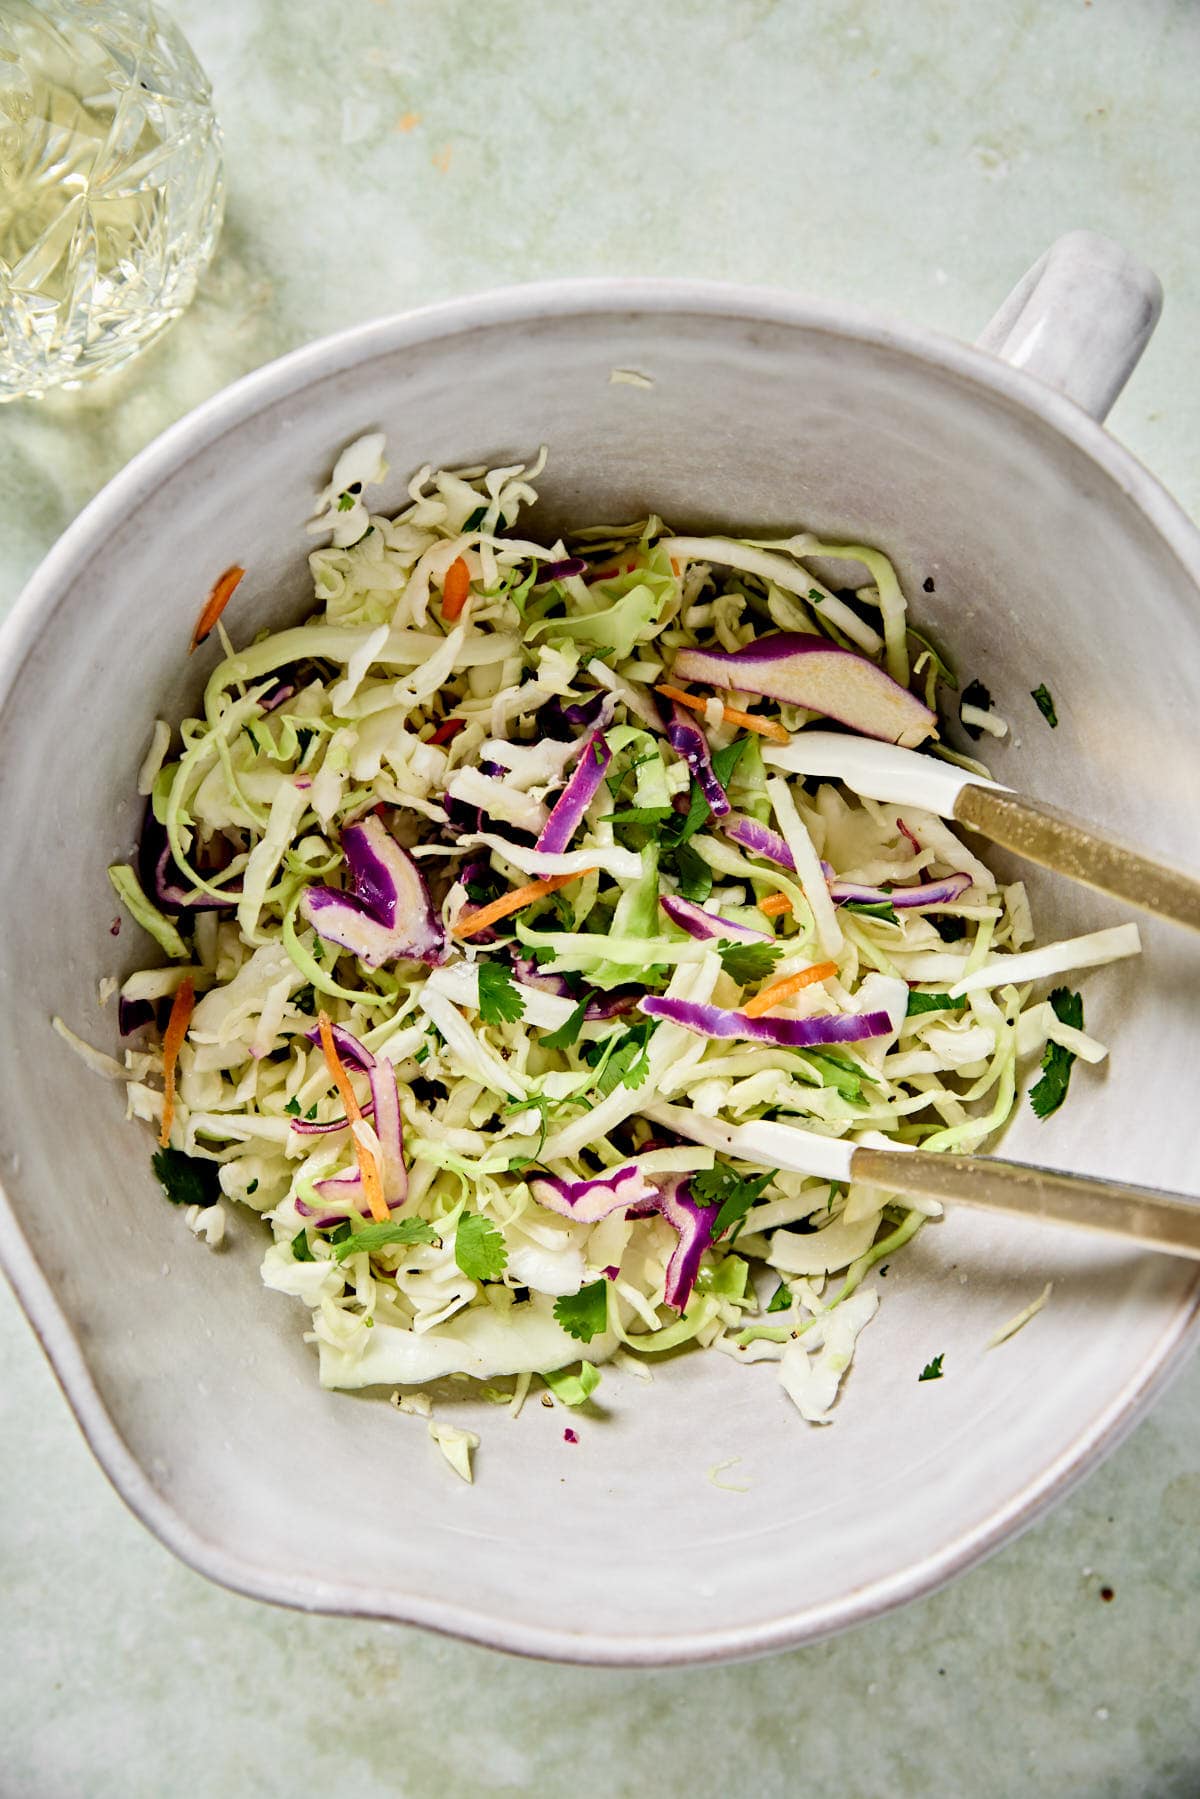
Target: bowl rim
[{"x": 51, "y": 585}]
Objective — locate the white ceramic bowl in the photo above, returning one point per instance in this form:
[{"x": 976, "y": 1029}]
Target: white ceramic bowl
[{"x": 1055, "y": 558}]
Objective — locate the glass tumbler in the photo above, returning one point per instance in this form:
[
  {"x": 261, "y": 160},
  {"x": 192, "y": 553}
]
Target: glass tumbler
[{"x": 110, "y": 186}]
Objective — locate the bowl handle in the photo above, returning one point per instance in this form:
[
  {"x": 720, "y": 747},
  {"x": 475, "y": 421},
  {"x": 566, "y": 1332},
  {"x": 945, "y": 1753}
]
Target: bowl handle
[{"x": 1079, "y": 320}]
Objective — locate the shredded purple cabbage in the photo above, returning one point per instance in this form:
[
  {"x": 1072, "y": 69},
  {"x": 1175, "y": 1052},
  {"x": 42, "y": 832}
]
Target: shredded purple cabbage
[
  {"x": 588, "y": 1201},
  {"x": 758, "y": 839},
  {"x": 688, "y": 740},
  {"x": 561, "y": 571},
  {"x": 930, "y": 893},
  {"x": 385, "y": 1103},
  {"x": 704, "y": 925},
  {"x": 789, "y": 1033},
  {"x": 694, "y": 1225},
  {"x": 165, "y": 881},
  {"x": 387, "y": 915},
  {"x": 575, "y": 798}
]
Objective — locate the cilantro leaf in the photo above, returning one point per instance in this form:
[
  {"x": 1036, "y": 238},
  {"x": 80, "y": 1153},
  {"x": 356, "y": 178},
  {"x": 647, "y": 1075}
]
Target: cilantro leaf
[
  {"x": 300, "y": 1250},
  {"x": 746, "y": 963},
  {"x": 479, "y": 1248},
  {"x": 638, "y": 815},
  {"x": 573, "y": 1389},
  {"x": 693, "y": 873},
  {"x": 725, "y": 761},
  {"x": 880, "y": 909},
  {"x": 698, "y": 813},
  {"x": 567, "y": 1032},
  {"x": 475, "y": 519},
  {"x": 815, "y": 597},
  {"x": 345, "y": 502},
  {"x": 499, "y": 1001},
  {"x": 722, "y": 1186},
  {"x": 932, "y": 1370},
  {"x": 781, "y": 1299},
  {"x": 186, "y": 1180},
  {"x": 1045, "y": 705},
  {"x": 933, "y": 1002},
  {"x": 292, "y": 1108},
  {"x": 1050, "y": 1091},
  {"x": 583, "y": 1315},
  {"x": 629, "y": 1063},
  {"x": 378, "y": 1236}
]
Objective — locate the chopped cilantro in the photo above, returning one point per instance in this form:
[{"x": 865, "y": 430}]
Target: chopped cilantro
[
  {"x": 377, "y": 1236},
  {"x": 638, "y": 815},
  {"x": 345, "y": 502},
  {"x": 547, "y": 1108},
  {"x": 186, "y": 1180},
  {"x": 725, "y": 761},
  {"x": 933, "y": 1002},
  {"x": 1050, "y": 1091},
  {"x": 721, "y": 1186},
  {"x": 479, "y": 1248},
  {"x": 879, "y": 909},
  {"x": 480, "y": 892},
  {"x": 628, "y": 1063},
  {"x": 422, "y": 1055},
  {"x": 932, "y": 1370},
  {"x": 781, "y": 1299},
  {"x": 292, "y": 1108},
  {"x": 300, "y": 1249},
  {"x": 698, "y": 813},
  {"x": 499, "y": 1001},
  {"x": 475, "y": 519},
  {"x": 573, "y": 1389},
  {"x": 1045, "y": 705},
  {"x": 693, "y": 873},
  {"x": 567, "y": 1032},
  {"x": 975, "y": 694},
  {"x": 311, "y": 1114},
  {"x": 583, "y": 1315},
  {"x": 815, "y": 597},
  {"x": 746, "y": 963}
]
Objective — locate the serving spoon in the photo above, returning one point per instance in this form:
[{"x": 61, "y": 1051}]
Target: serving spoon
[
  {"x": 1169, "y": 1222},
  {"x": 1027, "y": 827}
]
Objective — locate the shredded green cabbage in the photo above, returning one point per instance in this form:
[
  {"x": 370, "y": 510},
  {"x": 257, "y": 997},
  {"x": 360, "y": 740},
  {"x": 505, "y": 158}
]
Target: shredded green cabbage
[{"x": 461, "y": 731}]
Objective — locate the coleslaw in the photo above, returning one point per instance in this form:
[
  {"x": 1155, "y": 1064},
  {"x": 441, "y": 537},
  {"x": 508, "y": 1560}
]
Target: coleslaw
[{"x": 459, "y": 879}]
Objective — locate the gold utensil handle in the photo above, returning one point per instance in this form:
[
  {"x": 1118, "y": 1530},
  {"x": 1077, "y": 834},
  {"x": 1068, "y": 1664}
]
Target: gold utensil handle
[
  {"x": 1041, "y": 834},
  {"x": 1163, "y": 1221}
]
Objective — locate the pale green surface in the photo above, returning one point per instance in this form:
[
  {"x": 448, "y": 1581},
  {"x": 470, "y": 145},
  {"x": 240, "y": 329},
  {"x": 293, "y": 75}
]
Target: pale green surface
[{"x": 914, "y": 157}]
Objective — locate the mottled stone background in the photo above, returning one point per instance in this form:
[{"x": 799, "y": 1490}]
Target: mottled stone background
[{"x": 913, "y": 156}]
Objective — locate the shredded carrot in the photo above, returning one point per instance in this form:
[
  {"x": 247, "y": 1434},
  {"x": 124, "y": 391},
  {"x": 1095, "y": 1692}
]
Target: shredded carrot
[
  {"x": 182, "y": 1007},
  {"x": 786, "y": 986},
  {"x": 455, "y": 588},
  {"x": 215, "y": 605},
  {"x": 483, "y": 916},
  {"x": 448, "y": 730},
  {"x": 745, "y": 721},
  {"x": 774, "y": 904},
  {"x": 368, "y": 1167}
]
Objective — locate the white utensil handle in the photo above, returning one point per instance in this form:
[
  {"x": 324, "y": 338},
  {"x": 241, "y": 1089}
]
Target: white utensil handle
[{"x": 1079, "y": 320}]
